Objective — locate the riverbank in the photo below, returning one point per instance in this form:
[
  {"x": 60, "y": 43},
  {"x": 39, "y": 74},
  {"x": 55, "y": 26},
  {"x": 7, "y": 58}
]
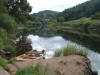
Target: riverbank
[
  {"x": 84, "y": 31},
  {"x": 90, "y": 41},
  {"x": 66, "y": 65}
]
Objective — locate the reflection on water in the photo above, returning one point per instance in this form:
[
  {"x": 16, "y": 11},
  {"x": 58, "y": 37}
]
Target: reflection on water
[{"x": 52, "y": 44}]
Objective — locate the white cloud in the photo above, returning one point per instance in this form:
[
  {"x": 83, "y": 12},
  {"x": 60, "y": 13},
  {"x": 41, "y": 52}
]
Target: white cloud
[{"x": 56, "y": 5}]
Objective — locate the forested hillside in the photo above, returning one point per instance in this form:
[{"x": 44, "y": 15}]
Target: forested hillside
[
  {"x": 86, "y": 9},
  {"x": 84, "y": 18},
  {"x": 47, "y": 14}
]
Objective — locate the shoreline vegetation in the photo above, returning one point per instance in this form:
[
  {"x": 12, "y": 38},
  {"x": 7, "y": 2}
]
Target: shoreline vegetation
[
  {"x": 37, "y": 70},
  {"x": 67, "y": 51},
  {"x": 84, "y": 31},
  {"x": 71, "y": 50}
]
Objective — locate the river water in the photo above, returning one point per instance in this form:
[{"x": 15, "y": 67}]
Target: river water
[{"x": 51, "y": 44}]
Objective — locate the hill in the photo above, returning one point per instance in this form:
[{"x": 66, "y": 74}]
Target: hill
[
  {"x": 47, "y": 14},
  {"x": 82, "y": 10}
]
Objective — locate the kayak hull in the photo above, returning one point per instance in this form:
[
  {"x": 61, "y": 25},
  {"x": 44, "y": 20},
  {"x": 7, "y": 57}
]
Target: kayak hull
[{"x": 29, "y": 58}]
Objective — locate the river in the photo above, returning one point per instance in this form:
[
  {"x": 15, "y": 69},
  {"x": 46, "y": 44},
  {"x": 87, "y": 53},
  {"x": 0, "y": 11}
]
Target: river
[{"x": 51, "y": 44}]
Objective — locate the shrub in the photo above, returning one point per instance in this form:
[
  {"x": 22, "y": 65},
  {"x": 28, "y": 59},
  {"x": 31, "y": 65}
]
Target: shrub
[
  {"x": 3, "y": 33},
  {"x": 1, "y": 44},
  {"x": 37, "y": 70},
  {"x": 58, "y": 53},
  {"x": 7, "y": 22},
  {"x": 12, "y": 60},
  {"x": 70, "y": 50},
  {"x": 96, "y": 15},
  {"x": 3, "y": 63},
  {"x": 9, "y": 48}
]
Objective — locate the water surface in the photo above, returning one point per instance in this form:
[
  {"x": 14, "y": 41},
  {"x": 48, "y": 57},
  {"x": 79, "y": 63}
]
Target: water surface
[{"x": 51, "y": 44}]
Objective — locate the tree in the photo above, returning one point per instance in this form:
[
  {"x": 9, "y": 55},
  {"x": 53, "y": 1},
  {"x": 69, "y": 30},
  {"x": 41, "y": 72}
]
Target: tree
[
  {"x": 19, "y": 9},
  {"x": 1, "y": 44},
  {"x": 3, "y": 8},
  {"x": 7, "y": 22}
]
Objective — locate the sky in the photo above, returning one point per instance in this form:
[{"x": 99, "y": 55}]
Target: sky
[{"x": 55, "y": 5}]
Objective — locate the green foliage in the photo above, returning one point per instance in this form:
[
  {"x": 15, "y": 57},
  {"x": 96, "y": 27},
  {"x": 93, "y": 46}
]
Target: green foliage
[
  {"x": 37, "y": 70},
  {"x": 3, "y": 8},
  {"x": 9, "y": 48},
  {"x": 82, "y": 10},
  {"x": 71, "y": 50},
  {"x": 83, "y": 25},
  {"x": 3, "y": 63},
  {"x": 3, "y": 33},
  {"x": 47, "y": 14},
  {"x": 10, "y": 19},
  {"x": 60, "y": 19},
  {"x": 12, "y": 60},
  {"x": 7, "y": 22},
  {"x": 1, "y": 44},
  {"x": 58, "y": 53},
  {"x": 24, "y": 11},
  {"x": 76, "y": 25},
  {"x": 96, "y": 15}
]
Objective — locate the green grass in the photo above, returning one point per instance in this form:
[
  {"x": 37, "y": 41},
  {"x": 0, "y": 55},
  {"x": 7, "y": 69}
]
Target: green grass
[
  {"x": 37, "y": 70},
  {"x": 71, "y": 50},
  {"x": 58, "y": 53},
  {"x": 12, "y": 60},
  {"x": 4, "y": 64}
]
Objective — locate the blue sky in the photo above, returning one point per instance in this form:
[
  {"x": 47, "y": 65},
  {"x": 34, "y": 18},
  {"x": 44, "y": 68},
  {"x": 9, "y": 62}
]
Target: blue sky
[{"x": 56, "y": 5}]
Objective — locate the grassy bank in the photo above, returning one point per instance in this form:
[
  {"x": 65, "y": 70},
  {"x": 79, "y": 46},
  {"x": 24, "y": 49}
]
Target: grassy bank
[
  {"x": 37, "y": 70},
  {"x": 71, "y": 50},
  {"x": 4, "y": 64},
  {"x": 85, "y": 31}
]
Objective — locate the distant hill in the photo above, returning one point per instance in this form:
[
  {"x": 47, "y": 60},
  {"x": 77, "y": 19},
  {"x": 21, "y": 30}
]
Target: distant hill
[
  {"x": 85, "y": 9},
  {"x": 47, "y": 14}
]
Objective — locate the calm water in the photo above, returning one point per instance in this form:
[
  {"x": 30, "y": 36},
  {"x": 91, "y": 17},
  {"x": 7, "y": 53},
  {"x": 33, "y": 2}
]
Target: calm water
[{"x": 52, "y": 44}]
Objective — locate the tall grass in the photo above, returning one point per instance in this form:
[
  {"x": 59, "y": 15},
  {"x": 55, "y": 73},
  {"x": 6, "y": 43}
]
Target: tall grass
[
  {"x": 4, "y": 64},
  {"x": 70, "y": 50},
  {"x": 12, "y": 60},
  {"x": 37, "y": 70},
  {"x": 58, "y": 53}
]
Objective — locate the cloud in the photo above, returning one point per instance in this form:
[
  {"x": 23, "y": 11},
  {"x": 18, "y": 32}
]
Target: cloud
[{"x": 56, "y": 5}]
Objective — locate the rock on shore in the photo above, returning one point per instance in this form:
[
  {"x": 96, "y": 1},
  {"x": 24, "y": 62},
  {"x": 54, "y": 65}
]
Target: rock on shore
[
  {"x": 66, "y": 65},
  {"x": 3, "y": 72}
]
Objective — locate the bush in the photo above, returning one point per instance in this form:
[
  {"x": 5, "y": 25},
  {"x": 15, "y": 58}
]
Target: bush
[
  {"x": 9, "y": 48},
  {"x": 3, "y": 34},
  {"x": 7, "y": 22},
  {"x": 3, "y": 63},
  {"x": 12, "y": 60},
  {"x": 96, "y": 15},
  {"x": 70, "y": 50},
  {"x": 58, "y": 53},
  {"x": 1, "y": 44},
  {"x": 37, "y": 70}
]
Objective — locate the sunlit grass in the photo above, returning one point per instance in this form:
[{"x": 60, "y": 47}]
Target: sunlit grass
[
  {"x": 71, "y": 50},
  {"x": 58, "y": 53},
  {"x": 37, "y": 70}
]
